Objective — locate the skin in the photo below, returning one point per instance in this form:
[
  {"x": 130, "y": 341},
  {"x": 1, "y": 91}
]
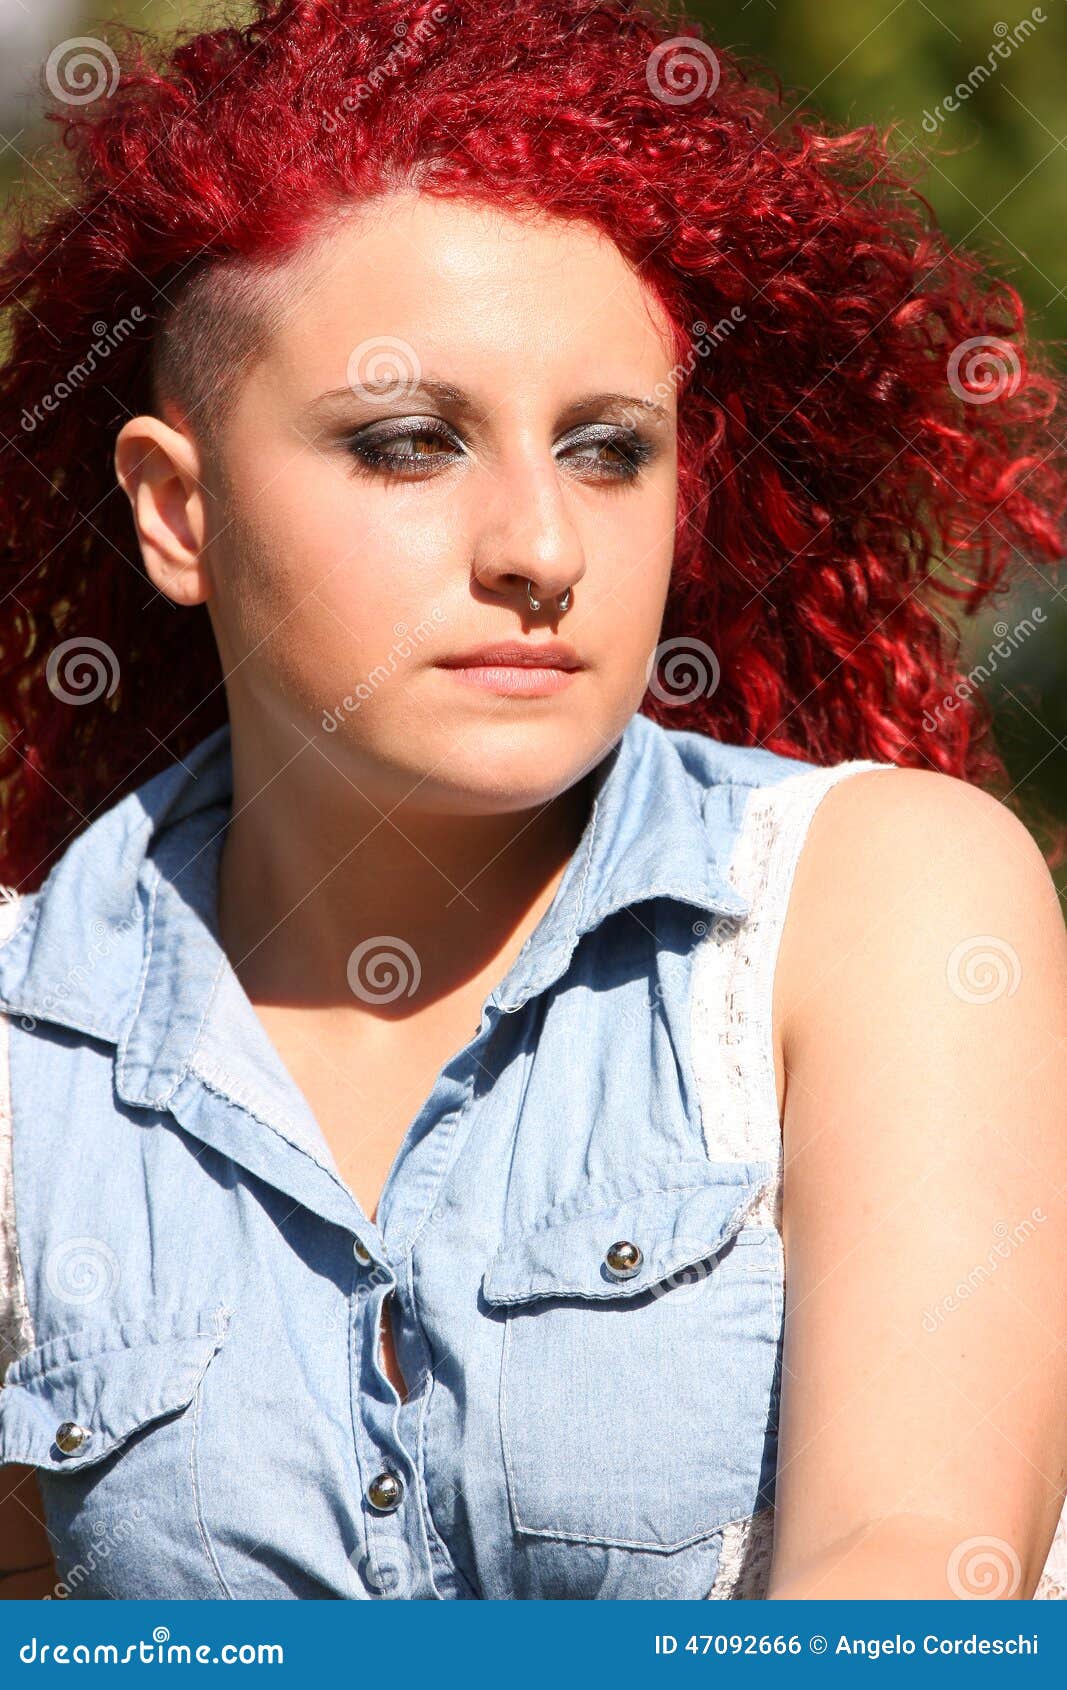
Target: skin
[
  {"x": 433, "y": 813},
  {"x": 448, "y": 817},
  {"x": 923, "y": 1447}
]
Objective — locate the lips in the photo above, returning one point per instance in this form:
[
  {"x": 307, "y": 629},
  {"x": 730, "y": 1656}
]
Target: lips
[{"x": 516, "y": 654}]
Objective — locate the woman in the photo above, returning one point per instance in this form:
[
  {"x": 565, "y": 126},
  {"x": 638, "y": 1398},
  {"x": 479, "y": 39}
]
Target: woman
[{"x": 485, "y": 957}]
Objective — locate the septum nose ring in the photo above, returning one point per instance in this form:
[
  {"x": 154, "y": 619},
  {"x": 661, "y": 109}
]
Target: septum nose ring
[{"x": 562, "y": 599}]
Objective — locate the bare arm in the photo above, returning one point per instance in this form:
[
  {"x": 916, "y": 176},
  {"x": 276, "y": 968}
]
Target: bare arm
[{"x": 922, "y": 997}]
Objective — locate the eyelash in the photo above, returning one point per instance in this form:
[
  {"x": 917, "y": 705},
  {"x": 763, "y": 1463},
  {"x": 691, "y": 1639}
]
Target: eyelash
[{"x": 370, "y": 459}]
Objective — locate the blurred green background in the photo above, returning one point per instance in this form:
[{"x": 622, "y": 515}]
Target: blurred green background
[{"x": 997, "y": 179}]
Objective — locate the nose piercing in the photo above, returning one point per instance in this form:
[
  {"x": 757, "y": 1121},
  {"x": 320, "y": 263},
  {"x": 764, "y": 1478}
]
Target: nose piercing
[{"x": 562, "y": 599}]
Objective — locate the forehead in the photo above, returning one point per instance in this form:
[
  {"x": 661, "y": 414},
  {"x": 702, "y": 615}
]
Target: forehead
[{"x": 464, "y": 285}]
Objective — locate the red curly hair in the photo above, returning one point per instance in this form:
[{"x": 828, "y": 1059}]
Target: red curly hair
[{"x": 862, "y": 430}]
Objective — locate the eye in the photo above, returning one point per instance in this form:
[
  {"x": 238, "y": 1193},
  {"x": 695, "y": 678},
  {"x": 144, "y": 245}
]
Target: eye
[
  {"x": 419, "y": 447},
  {"x": 614, "y": 454},
  {"x": 403, "y": 449}
]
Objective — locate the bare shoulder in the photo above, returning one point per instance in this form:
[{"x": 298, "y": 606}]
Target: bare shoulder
[
  {"x": 903, "y": 865},
  {"x": 923, "y": 990}
]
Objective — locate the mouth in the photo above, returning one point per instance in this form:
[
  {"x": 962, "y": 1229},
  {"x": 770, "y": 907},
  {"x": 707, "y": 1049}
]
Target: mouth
[
  {"x": 517, "y": 668},
  {"x": 516, "y": 654}
]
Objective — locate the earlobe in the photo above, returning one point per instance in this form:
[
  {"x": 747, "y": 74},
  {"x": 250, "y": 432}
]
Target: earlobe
[{"x": 158, "y": 469}]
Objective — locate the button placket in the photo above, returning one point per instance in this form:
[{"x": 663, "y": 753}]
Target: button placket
[
  {"x": 403, "y": 1555},
  {"x": 387, "y": 1567}
]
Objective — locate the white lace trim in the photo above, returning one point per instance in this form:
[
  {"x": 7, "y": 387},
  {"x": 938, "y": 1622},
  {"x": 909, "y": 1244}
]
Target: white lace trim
[
  {"x": 733, "y": 1055},
  {"x": 744, "y": 1570},
  {"x": 16, "y": 1328},
  {"x": 1052, "y": 1585},
  {"x": 733, "y": 979}
]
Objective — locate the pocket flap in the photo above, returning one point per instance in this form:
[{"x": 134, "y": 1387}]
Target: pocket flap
[
  {"x": 105, "y": 1382},
  {"x": 695, "y": 1213}
]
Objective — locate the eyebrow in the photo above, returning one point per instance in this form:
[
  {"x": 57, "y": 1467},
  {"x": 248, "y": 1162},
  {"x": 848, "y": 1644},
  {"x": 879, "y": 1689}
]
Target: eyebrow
[{"x": 445, "y": 394}]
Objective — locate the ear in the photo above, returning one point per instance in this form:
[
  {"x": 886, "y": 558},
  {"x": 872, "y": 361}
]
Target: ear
[{"x": 159, "y": 469}]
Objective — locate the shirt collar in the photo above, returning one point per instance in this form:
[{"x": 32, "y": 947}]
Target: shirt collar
[{"x": 121, "y": 940}]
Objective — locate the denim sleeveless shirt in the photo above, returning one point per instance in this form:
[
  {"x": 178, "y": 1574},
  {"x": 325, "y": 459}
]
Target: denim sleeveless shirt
[{"x": 585, "y": 1257}]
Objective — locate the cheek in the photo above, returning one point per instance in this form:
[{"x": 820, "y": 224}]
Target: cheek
[
  {"x": 635, "y": 557},
  {"x": 313, "y": 567}
]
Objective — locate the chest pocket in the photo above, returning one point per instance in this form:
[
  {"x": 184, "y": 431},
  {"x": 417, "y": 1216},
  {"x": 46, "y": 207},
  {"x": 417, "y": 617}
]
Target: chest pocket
[
  {"x": 107, "y": 1415},
  {"x": 639, "y": 1389}
]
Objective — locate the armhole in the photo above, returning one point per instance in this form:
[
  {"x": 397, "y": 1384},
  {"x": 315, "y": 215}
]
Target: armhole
[
  {"x": 16, "y": 1327},
  {"x": 734, "y": 972}
]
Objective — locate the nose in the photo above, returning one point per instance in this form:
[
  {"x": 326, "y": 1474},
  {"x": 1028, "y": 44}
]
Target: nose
[{"x": 528, "y": 545}]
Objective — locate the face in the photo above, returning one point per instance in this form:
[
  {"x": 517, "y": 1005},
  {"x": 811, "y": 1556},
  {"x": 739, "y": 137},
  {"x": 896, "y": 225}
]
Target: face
[{"x": 458, "y": 405}]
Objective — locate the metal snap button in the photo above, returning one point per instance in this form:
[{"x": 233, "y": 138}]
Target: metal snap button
[
  {"x": 623, "y": 1259},
  {"x": 360, "y": 1251},
  {"x": 70, "y": 1436},
  {"x": 385, "y": 1492}
]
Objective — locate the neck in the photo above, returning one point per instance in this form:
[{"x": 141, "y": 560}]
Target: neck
[{"x": 316, "y": 864}]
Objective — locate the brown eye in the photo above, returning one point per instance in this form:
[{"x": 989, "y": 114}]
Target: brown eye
[
  {"x": 613, "y": 457},
  {"x": 402, "y": 450},
  {"x": 422, "y": 442}
]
